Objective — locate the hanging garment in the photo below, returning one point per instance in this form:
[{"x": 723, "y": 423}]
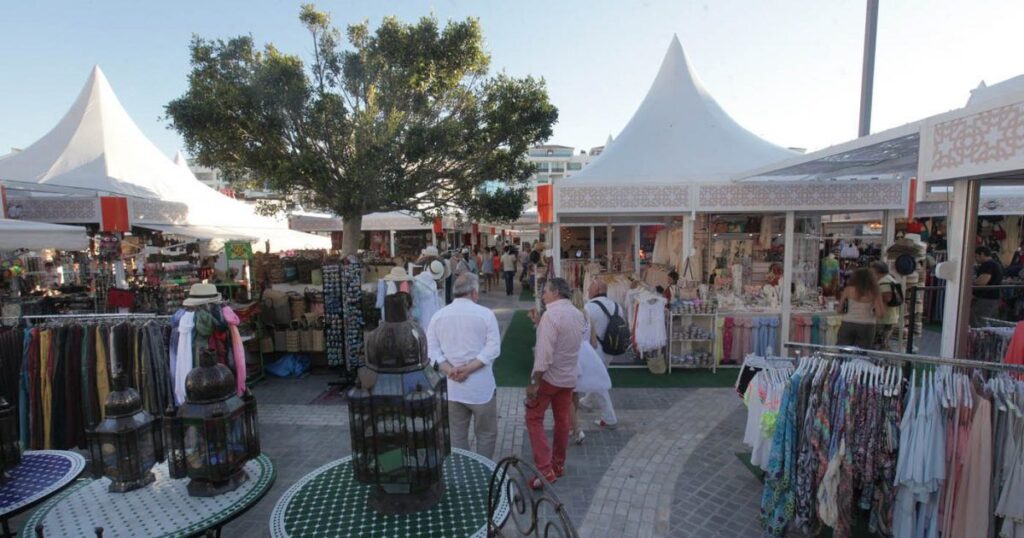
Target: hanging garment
[
  {"x": 649, "y": 331},
  {"x": 971, "y": 517},
  {"x": 237, "y": 349},
  {"x": 184, "y": 355},
  {"x": 728, "y": 340},
  {"x": 719, "y": 344}
]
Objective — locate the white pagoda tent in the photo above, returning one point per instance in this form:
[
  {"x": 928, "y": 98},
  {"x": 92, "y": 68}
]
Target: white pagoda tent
[{"x": 97, "y": 150}]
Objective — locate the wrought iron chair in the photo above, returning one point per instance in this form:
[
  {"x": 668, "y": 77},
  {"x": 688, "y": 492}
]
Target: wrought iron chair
[{"x": 531, "y": 512}]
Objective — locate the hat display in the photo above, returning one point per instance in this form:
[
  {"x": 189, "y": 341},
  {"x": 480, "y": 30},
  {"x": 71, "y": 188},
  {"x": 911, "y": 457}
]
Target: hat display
[
  {"x": 202, "y": 293},
  {"x": 429, "y": 251},
  {"x": 436, "y": 269},
  {"x": 397, "y": 274}
]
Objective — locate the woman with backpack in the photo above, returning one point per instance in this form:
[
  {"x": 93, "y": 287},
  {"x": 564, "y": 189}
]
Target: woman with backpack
[{"x": 892, "y": 299}]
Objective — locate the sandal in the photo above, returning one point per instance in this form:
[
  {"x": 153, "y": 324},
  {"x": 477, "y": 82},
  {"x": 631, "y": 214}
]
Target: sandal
[
  {"x": 559, "y": 470},
  {"x": 538, "y": 483}
]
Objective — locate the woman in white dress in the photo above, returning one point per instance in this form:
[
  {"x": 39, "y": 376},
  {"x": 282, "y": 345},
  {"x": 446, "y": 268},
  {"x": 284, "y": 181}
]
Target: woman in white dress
[{"x": 592, "y": 377}]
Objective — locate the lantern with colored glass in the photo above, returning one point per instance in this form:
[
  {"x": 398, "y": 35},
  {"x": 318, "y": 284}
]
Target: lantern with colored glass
[
  {"x": 10, "y": 445},
  {"x": 398, "y": 415},
  {"x": 126, "y": 445},
  {"x": 214, "y": 432}
]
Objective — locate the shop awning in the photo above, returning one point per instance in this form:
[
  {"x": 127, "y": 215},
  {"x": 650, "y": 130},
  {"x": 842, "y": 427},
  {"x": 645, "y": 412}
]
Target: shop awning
[
  {"x": 15, "y": 234},
  {"x": 205, "y": 233}
]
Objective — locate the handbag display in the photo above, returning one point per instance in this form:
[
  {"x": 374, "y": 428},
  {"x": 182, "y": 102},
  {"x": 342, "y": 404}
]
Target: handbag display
[{"x": 293, "y": 338}]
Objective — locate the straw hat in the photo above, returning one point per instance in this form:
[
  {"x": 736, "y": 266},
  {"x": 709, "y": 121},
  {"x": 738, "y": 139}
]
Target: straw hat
[
  {"x": 202, "y": 293},
  {"x": 397, "y": 274},
  {"x": 436, "y": 270},
  {"x": 430, "y": 251}
]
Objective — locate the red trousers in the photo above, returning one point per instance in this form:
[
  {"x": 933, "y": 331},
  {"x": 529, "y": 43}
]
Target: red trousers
[{"x": 560, "y": 400}]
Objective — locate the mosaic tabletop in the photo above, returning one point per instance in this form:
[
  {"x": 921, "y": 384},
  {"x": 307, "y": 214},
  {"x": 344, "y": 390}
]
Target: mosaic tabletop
[
  {"x": 162, "y": 509},
  {"x": 329, "y": 502},
  {"x": 41, "y": 473}
]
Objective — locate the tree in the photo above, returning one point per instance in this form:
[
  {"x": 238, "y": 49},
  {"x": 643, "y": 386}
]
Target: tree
[{"x": 405, "y": 118}]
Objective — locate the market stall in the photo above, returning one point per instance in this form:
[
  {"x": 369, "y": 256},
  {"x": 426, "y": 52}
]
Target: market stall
[{"x": 664, "y": 197}]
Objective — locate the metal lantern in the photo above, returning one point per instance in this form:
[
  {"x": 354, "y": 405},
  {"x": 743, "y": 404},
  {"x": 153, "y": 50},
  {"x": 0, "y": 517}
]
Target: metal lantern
[
  {"x": 213, "y": 433},
  {"x": 10, "y": 445},
  {"x": 398, "y": 415},
  {"x": 128, "y": 442}
]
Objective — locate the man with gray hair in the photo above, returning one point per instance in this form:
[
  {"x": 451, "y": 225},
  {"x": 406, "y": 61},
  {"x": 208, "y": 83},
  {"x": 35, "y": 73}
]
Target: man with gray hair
[
  {"x": 555, "y": 369},
  {"x": 463, "y": 340}
]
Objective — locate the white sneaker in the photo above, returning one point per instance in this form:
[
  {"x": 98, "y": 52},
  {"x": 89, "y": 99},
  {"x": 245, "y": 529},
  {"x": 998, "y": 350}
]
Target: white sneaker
[
  {"x": 578, "y": 438},
  {"x": 600, "y": 423}
]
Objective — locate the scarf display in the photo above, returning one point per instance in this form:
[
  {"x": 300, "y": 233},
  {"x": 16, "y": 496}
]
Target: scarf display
[{"x": 59, "y": 375}]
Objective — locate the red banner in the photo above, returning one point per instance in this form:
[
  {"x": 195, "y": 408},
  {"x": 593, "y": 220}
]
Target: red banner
[
  {"x": 493, "y": 231},
  {"x": 437, "y": 225},
  {"x": 114, "y": 214},
  {"x": 545, "y": 207},
  {"x": 912, "y": 199}
]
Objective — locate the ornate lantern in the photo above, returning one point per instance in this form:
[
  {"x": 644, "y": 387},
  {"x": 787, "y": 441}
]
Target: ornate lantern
[
  {"x": 10, "y": 445},
  {"x": 213, "y": 433},
  {"x": 398, "y": 415},
  {"x": 127, "y": 443}
]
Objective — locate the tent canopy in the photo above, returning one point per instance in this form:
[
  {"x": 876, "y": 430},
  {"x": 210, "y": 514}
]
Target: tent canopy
[
  {"x": 679, "y": 134},
  {"x": 96, "y": 146},
  {"x": 15, "y": 234}
]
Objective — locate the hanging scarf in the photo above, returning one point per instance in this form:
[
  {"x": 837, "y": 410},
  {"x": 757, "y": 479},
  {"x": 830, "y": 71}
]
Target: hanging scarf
[
  {"x": 25, "y": 390},
  {"x": 236, "y": 348},
  {"x": 172, "y": 350},
  {"x": 184, "y": 355},
  {"x": 45, "y": 387},
  {"x": 102, "y": 369}
]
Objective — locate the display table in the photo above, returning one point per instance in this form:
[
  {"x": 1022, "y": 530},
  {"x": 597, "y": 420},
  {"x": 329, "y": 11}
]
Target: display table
[
  {"x": 40, "y": 474},
  {"x": 330, "y": 502},
  {"x": 161, "y": 509}
]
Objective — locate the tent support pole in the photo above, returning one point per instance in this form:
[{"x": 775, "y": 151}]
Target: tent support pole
[{"x": 787, "y": 279}]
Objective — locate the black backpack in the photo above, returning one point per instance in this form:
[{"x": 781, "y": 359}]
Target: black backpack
[
  {"x": 617, "y": 336},
  {"x": 535, "y": 257},
  {"x": 897, "y": 294}
]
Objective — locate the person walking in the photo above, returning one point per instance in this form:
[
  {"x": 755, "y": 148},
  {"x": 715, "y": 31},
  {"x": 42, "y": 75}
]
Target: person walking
[
  {"x": 508, "y": 269},
  {"x": 986, "y": 301},
  {"x": 555, "y": 369},
  {"x": 524, "y": 264},
  {"x": 463, "y": 339},
  {"x": 599, "y": 310},
  {"x": 487, "y": 270},
  {"x": 863, "y": 307},
  {"x": 892, "y": 298}
]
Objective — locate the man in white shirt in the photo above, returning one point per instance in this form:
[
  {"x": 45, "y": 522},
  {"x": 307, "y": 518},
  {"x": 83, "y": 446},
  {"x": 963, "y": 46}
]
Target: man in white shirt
[
  {"x": 598, "y": 293},
  {"x": 463, "y": 340}
]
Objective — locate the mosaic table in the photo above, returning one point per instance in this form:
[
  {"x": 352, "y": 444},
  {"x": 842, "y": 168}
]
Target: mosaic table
[
  {"x": 162, "y": 509},
  {"x": 40, "y": 474},
  {"x": 329, "y": 502}
]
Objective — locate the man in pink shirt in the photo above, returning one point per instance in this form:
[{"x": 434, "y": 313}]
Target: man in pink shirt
[{"x": 555, "y": 370}]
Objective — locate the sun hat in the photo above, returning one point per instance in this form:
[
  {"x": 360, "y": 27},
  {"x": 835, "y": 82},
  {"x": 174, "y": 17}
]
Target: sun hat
[
  {"x": 397, "y": 274},
  {"x": 436, "y": 269},
  {"x": 202, "y": 293},
  {"x": 429, "y": 251}
]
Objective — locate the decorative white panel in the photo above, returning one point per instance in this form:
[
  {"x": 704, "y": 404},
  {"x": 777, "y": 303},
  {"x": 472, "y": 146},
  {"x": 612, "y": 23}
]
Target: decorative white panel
[
  {"x": 69, "y": 210},
  {"x": 146, "y": 211},
  {"x": 622, "y": 198},
  {"x": 766, "y": 196}
]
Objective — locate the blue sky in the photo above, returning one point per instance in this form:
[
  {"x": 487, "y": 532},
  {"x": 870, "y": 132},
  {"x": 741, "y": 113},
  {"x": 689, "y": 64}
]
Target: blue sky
[{"x": 788, "y": 70}]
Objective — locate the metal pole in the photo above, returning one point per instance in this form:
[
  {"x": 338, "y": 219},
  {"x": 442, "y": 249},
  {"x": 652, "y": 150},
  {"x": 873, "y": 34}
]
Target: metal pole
[{"x": 868, "y": 76}]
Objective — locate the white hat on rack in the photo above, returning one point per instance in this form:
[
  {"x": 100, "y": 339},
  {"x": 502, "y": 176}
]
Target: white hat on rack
[
  {"x": 436, "y": 269},
  {"x": 202, "y": 293}
]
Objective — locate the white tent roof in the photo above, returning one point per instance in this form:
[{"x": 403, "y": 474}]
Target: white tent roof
[
  {"x": 15, "y": 234},
  {"x": 96, "y": 146},
  {"x": 679, "y": 134}
]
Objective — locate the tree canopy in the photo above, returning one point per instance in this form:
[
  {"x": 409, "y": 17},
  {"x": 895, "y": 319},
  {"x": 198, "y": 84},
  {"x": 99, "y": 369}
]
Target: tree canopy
[{"x": 405, "y": 117}]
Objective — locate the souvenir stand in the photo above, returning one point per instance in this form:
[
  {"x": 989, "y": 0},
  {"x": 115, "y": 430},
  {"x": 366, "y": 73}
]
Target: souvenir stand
[
  {"x": 967, "y": 164},
  {"x": 666, "y": 192}
]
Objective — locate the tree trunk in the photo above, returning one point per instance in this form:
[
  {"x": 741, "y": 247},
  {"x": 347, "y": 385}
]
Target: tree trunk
[{"x": 352, "y": 234}]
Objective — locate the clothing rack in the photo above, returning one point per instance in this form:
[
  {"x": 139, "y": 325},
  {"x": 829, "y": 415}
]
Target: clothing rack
[
  {"x": 1000, "y": 322},
  {"x": 98, "y": 316},
  {"x": 856, "y": 352}
]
